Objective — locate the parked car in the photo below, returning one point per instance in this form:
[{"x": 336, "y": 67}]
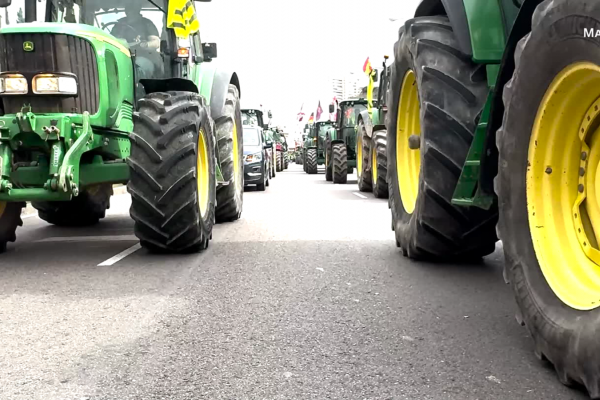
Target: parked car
[{"x": 256, "y": 160}]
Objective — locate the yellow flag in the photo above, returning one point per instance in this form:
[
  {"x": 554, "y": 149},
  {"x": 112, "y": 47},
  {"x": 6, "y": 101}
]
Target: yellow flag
[{"x": 181, "y": 17}]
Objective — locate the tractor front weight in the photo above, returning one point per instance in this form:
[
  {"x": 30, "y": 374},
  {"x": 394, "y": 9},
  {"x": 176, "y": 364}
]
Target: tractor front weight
[{"x": 41, "y": 156}]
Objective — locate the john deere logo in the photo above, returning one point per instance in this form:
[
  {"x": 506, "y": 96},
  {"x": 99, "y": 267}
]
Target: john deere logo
[{"x": 28, "y": 46}]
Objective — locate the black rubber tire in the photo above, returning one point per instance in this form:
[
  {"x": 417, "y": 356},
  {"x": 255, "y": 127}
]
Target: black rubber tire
[
  {"x": 311, "y": 161},
  {"x": 286, "y": 162},
  {"x": 261, "y": 187},
  {"x": 230, "y": 198},
  {"x": 340, "y": 163},
  {"x": 84, "y": 210},
  {"x": 566, "y": 337},
  {"x": 452, "y": 91},
  {"x": 272, "y": 165},
  {"x": 365, "y": 178},
  {"x": 163, "y": 165},
  {"x": 10, "y": 220},
  {"x": 278, "y": 163},
  {"x": 379, "y": 146}
]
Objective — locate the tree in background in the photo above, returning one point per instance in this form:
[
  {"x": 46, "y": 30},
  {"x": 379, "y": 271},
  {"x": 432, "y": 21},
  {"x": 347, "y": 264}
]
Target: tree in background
[{"x": 20, "y": 16}]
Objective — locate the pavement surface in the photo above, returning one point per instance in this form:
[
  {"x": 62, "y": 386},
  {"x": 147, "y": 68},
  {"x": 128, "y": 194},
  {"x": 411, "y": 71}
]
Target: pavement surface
[{"x": 306, "y": 297}]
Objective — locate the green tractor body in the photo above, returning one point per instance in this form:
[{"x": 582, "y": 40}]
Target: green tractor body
[
  {"x": 315, "y": 145},
  {"x": 341, "y": 142},
  {"x": 371, "y": 146},
  {"x": 492, "y": 133},
  {"x": 81, "y": 110}
]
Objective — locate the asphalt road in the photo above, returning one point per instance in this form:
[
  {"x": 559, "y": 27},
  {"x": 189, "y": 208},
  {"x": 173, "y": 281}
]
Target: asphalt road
[{"x": 306, "y": 297}]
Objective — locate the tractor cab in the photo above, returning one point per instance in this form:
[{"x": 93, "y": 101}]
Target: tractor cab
[{"x": 347, "y": 122}]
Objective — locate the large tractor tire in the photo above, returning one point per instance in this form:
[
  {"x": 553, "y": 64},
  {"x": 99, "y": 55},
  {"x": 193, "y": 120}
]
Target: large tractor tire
[
  {"x": 363, "y": 165},
  {"x": 549, "y": 154},
  {"x": 272, "y": 164},
  {"x": 84, "y": 210},
  {"x": 172, "y": 164},
  {"x": 311, "y": 161},
  {"x": 378, "y": 171},
  {"x": 228, "y": 129},
  {"x": 279, "y": 161},
  {"x": 340, "y": 163},
  {"x": 10, "y": 220},
  {"x": 286, "y": 162},
  {"x": 428, "y": 148},
  {"x": 328, "y": 162}
]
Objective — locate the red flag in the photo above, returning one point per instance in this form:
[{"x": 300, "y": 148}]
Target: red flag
[
  {"x": 367, "y": 69},
  {"x": 319, "y": 111},
  {"x": 301, "y": 114}
]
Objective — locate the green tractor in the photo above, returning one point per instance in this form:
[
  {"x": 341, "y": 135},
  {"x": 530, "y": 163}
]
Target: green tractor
[
  {"x": 87, "y": 102},
  {"x": 493, "y": 129},
  {"x": 371, "y": 146},
  {"x": 315, "y": 144},
  {"x": 281, "y": 148},
  {"x": 341, "y": 143}
]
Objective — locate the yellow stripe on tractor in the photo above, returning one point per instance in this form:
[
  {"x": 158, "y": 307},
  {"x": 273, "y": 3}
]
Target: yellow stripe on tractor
[
  {"x": 370, "y": 73},
  {"x": 181, "y": 17}
]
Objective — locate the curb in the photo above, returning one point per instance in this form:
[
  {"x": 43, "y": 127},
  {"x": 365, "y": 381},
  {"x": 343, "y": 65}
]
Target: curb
[{"x": 117, "y": 189}]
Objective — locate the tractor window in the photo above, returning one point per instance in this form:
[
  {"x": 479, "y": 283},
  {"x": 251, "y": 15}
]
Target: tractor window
[
  {"x": 249, "y": 119},
  {"x": 351, "y": 114},
  {"x": 140, "y": 24},
  {"x": 251, "y": 137},
  {"x": 15, "y": 13}
]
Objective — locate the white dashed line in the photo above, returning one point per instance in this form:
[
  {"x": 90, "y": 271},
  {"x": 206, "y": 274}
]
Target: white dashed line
[
  {"x": 359, "y": 195},
  {"x": 120, "y": 256}
]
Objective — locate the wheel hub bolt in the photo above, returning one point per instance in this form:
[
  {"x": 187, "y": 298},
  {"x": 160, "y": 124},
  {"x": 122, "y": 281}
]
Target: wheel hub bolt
[
  {"x": 414, "y": 142},
  {"x": 549, "y": 170},
  {"x": 581, "y": 171},
  {"x": 580, "y": 188},
  {"x": 584, "y": 156}
]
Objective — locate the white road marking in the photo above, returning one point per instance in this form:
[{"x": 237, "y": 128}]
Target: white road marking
[
  {"x": 359, "y": 195},
  {"x": 120, "y": 256},
  {"x": 113, "y": 238},
  {"x": 29, "y": 216}
]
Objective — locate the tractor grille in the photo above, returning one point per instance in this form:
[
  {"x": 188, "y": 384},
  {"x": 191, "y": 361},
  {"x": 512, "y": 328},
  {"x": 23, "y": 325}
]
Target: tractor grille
[{"x": 52, "y": 53}]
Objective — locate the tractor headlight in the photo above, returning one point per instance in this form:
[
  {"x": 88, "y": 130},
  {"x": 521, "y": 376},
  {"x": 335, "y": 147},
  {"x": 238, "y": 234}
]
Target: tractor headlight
[
  {"x": 252, "y": 158},
  {"x": 54, "y": 84},
  {"x": 13, "y": 84}
]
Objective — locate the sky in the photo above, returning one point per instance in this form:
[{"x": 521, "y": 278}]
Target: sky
[{"x": 286, "y": 52}]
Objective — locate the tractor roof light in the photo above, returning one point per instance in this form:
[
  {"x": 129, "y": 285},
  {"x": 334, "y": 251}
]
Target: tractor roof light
[{"x": 13, "y": 84}]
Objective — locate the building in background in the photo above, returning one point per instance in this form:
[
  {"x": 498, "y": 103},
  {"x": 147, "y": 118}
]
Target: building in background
[{"x": 347, "y": 87}]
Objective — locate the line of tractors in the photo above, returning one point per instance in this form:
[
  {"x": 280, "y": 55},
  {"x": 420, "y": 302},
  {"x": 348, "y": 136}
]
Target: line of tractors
[{"x": 487, "y": 127}]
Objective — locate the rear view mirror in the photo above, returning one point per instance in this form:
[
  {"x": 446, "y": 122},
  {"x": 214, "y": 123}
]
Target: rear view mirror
[
  {"x": 5, "y": 3},
  {"x": 270, "y": 114},
  {"x": 331, "y": 109},
  {"x": 208, "y": 49}
]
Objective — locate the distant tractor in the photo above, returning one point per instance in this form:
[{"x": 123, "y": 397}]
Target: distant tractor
[
  {"x": 341, "y": 142},
  {"x": 87, "y": 102},
  {"x": 493, "y": 129},
  {"x": 314, "y": 145},
  {"x": 371, "y": 147}
]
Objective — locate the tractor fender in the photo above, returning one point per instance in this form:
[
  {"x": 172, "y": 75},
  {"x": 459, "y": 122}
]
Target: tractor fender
[
  {"x": 366, "y": 118},
  {"x": 337, "y": 141},
  {"x": 214, "y": 84},
  {"x": 455, "y": 10},
  {"x": 166, "y": 85}
]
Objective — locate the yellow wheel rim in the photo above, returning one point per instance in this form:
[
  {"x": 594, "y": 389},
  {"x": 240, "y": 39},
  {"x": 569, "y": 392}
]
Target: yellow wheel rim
[
  {"x": 203, "y": 174},
  {"x": 359, "y": 155},
  {"x": 236, "y": 155},
  {"x": 408, "y": 162},
  {"x": 563, "y": 186},
  {"x": 374, "y": 166}
]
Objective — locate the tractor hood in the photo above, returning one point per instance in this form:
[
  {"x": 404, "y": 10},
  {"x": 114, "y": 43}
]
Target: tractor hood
[{"x": 86, "y": 31}]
